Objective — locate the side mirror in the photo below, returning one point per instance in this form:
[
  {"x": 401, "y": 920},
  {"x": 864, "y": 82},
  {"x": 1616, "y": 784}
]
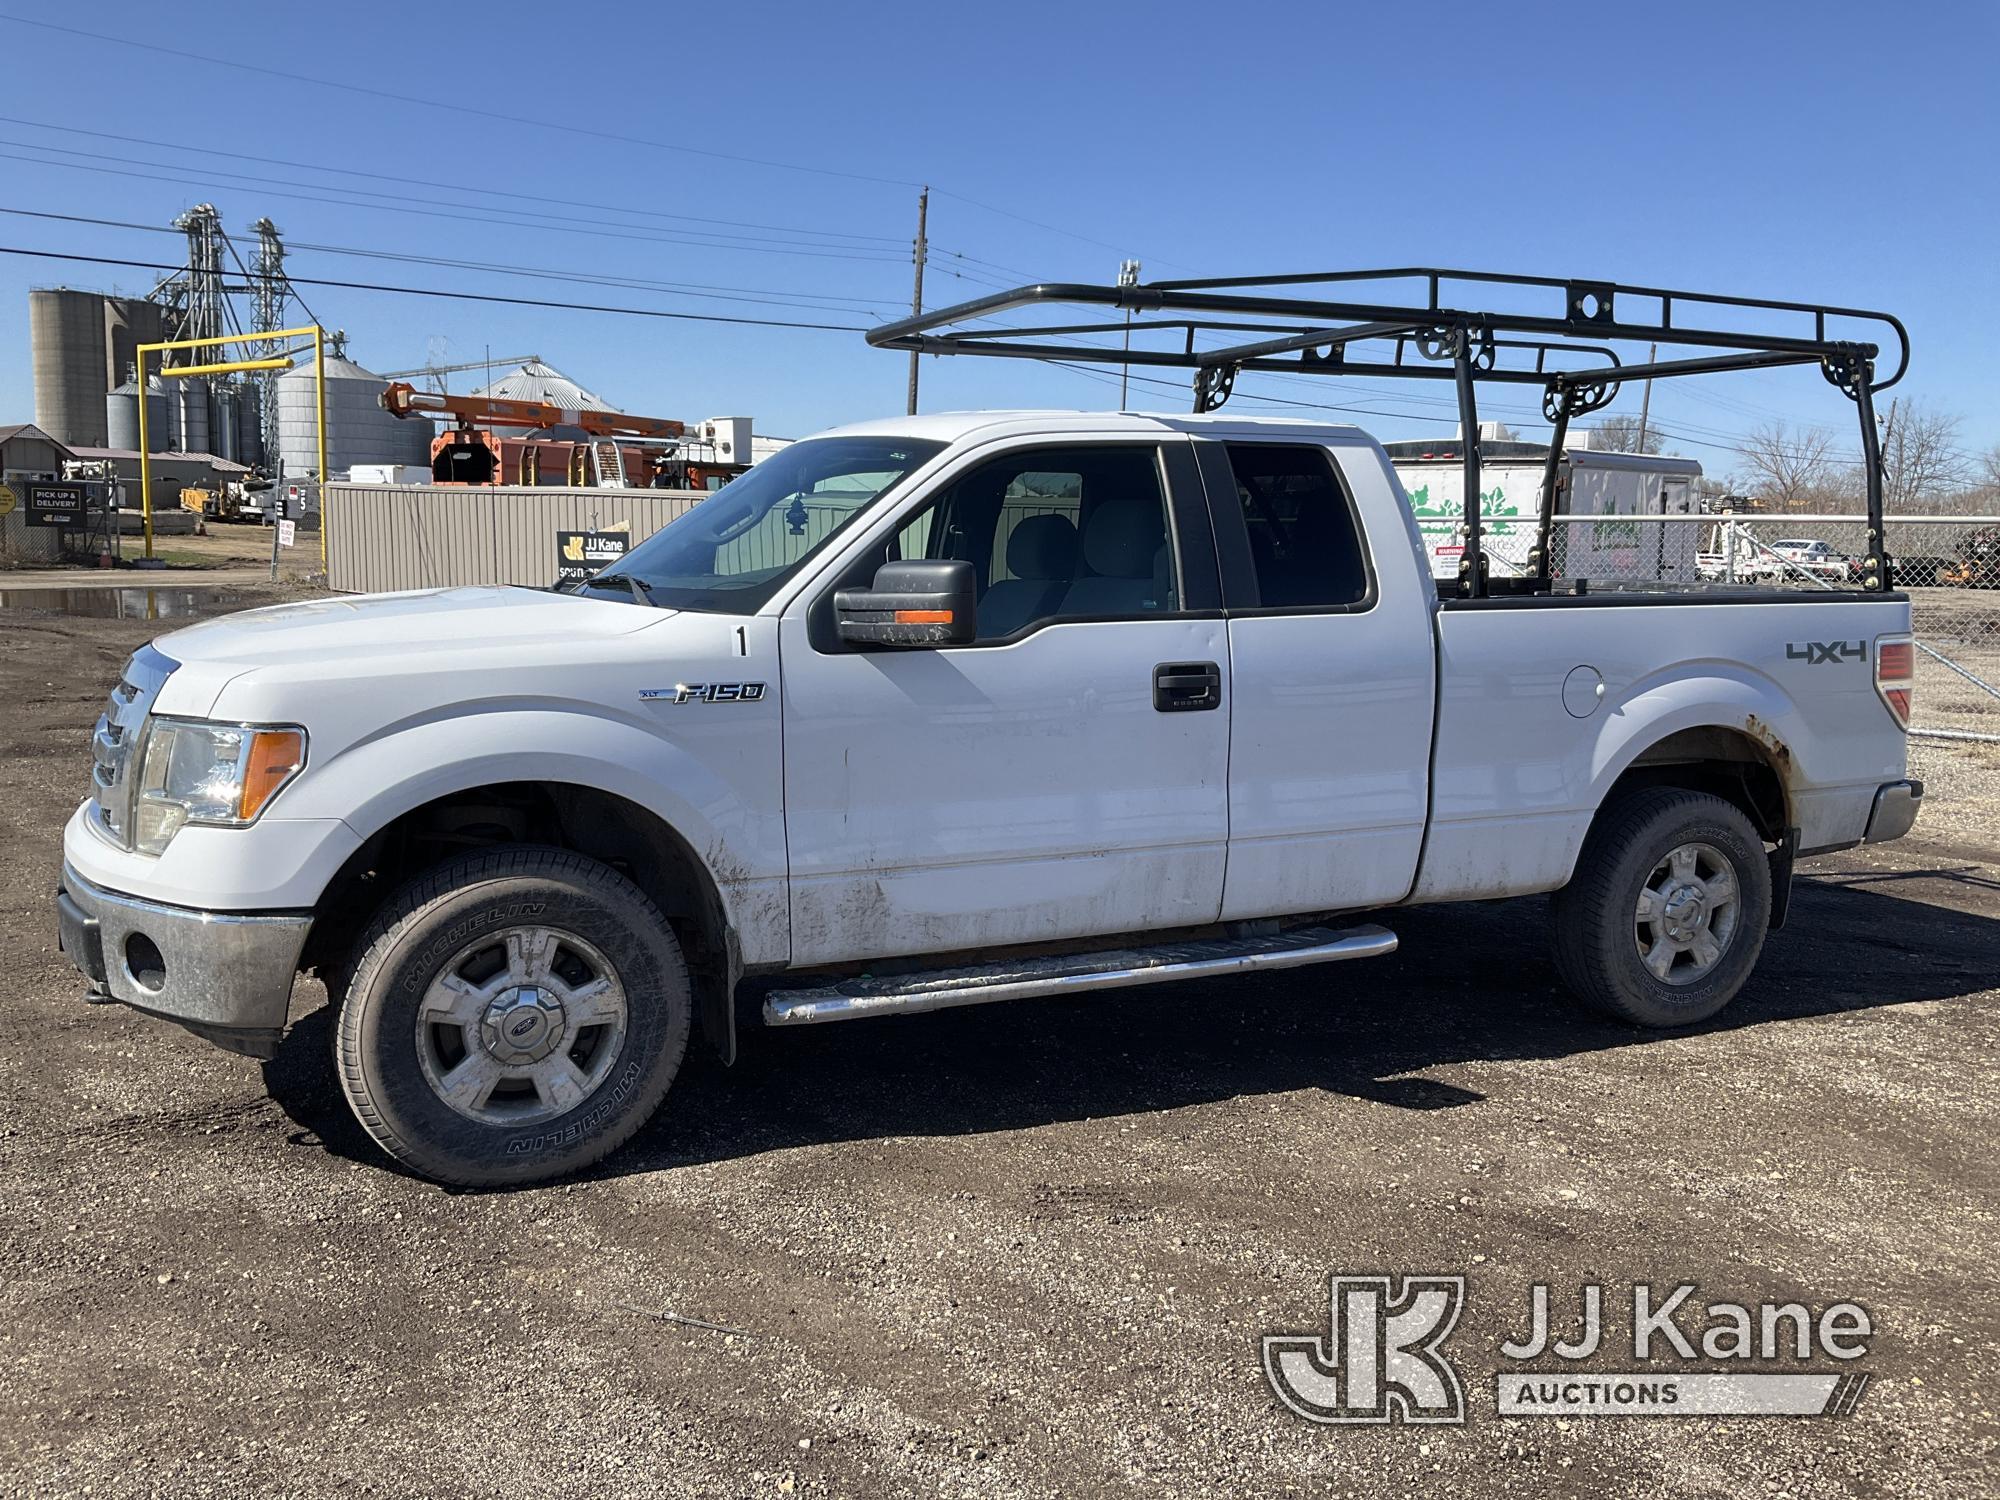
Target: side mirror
[{"x": 926, "y": 603}]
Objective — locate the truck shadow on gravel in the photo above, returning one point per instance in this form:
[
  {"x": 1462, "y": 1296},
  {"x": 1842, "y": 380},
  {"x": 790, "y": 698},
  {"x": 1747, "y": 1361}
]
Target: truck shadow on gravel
[{"x": 1470, "y": 984}]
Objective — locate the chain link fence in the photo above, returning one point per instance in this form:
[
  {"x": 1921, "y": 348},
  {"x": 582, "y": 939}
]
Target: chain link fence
[{"x": 1948, "y": 565}]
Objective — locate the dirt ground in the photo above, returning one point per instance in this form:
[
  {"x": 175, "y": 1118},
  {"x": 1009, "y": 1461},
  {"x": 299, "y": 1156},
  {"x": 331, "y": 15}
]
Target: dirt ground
[{"x": 1024, "y": 1249}]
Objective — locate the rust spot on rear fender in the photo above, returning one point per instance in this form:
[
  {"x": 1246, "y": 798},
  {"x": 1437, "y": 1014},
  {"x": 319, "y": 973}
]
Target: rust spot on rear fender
[{"x": 1765, "y": 735}]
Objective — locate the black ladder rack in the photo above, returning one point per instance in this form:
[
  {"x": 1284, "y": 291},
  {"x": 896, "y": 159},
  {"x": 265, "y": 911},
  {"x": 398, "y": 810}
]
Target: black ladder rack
[{"x": 1565, "y": 343}]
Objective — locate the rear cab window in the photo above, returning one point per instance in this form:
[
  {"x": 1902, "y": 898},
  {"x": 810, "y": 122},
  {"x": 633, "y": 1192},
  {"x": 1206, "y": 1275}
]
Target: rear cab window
[{"x": 1305, "y": 544}]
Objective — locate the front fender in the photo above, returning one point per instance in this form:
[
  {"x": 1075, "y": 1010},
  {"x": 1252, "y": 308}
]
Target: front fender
[{"x": 726, "y": 806}]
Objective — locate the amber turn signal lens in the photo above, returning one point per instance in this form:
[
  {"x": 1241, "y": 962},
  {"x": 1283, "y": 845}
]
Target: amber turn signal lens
[
  {"x": 275, "y": 755},
  {"x": 923, "y": 617}
]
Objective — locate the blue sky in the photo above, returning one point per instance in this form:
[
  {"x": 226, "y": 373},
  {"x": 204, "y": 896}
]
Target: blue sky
[{"x": 1832, "y": 152}]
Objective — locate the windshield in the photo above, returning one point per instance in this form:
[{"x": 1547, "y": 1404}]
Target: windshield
[{"x": 732, "y": 552}]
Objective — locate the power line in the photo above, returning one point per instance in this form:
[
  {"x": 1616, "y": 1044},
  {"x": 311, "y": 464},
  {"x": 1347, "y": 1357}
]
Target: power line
[
  {"x": 760, "y": 295},
  {"x": 357, "y": 198},
  {"x": 293, "y": 77},
  {"x": 418, "y": 291},
  {"x": 302, "y": 166},
  {"x": 1008, "y": 213},
  {"x": 675, "y": 236}
]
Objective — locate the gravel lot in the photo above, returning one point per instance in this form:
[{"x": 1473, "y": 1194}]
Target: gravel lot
[{"x": 1025, "y": 1249}]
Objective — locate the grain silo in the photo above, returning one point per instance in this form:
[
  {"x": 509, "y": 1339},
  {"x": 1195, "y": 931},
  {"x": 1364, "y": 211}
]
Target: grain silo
[
  {"x": 187, "y": 400},
  {"x": 66, "y": 338},
  {"x": 223, "y": 415},
  {"x": 250, "y": 425},
  {"x": 128, "y": 323},
  {"x": 358, "y": 430},
  {"x": 121, "y": 415}
]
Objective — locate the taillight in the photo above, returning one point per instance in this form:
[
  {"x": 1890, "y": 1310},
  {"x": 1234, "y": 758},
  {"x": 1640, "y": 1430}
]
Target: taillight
[{"x": 1896, "y": 674}]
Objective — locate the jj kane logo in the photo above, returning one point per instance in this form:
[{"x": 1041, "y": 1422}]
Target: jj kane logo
[{"x": 1382, "y": 1357}]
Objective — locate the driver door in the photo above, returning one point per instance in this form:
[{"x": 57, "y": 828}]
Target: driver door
[{"x": 1064, "y": 775}]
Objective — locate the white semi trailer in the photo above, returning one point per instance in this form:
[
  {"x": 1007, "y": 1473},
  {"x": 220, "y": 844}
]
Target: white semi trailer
[{"x": 1589, "y": 482}]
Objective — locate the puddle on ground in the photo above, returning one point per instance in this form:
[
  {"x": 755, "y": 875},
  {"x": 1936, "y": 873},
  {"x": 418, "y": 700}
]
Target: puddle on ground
[{"x": 152, "y": 603}]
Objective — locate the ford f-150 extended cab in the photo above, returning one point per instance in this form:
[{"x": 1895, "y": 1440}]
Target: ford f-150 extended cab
[{"x": 935, "y": 711}]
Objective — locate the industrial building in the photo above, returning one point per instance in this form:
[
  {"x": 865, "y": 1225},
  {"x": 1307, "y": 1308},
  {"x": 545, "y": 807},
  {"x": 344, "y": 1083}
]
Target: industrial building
[
  {"x": 530, "y": 425},
  {"x": 85, "y": 346},
  {"x": 27, "y": 452}
]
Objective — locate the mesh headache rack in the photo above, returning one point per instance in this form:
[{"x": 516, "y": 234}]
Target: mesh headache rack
[{"x": 1418, "y": 323}]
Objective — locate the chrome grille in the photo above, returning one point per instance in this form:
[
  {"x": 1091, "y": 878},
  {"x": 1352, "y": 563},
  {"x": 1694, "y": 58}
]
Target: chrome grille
[{"x": 120, "y": 730}]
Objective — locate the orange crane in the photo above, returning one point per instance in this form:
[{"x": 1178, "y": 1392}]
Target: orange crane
[
  {"x": 401, "y": 399},
  {"x": 657, "y": 454}
]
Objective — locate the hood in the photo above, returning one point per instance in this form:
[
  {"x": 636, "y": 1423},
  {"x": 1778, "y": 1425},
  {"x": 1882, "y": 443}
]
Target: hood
[
  {"x": 327, "y": 638},
  {"x": 434, "y": 621}
]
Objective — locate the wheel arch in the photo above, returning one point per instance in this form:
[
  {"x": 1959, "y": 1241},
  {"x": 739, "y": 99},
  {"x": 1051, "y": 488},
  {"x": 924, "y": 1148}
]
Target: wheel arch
[
  {"x": 590, "y": 820},
  {"x": 1726, "y": 733},
  {"x": 1749, "y": 769}
]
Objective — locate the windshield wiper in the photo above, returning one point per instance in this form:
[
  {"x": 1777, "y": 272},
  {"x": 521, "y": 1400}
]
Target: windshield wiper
[{"x": 642, "y": 591}]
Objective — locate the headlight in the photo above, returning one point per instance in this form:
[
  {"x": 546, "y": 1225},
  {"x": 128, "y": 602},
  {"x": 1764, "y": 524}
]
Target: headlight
[{"x": 196, "y": 772}]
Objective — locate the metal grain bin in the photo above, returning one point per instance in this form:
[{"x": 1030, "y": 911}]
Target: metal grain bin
[
  {"x": 188, "y": 400},
  {"x": 250, "y": 425},
  {"x": 121, "y": 416},
  {"x": 358, "y": 431}
]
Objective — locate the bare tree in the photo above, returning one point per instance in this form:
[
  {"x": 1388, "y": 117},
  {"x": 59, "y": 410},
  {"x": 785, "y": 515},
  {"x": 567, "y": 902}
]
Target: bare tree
[
  {"x": 1621, "y": 435},
  {"x": 1922, "y": 464},
  {"x": 1793, "y": 468}
]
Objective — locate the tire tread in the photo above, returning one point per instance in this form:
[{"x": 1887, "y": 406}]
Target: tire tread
[{"x": 413, "y": 902}]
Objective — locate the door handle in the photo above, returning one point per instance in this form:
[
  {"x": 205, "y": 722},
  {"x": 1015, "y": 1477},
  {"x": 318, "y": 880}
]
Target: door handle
[{"x": 1186, "y": 686}]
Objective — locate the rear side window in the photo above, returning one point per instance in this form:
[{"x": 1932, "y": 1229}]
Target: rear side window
[{"x": 1304, "y": 542}]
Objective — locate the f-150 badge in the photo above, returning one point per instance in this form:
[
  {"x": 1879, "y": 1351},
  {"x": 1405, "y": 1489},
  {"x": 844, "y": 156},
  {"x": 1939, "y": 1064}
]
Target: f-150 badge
[
  {"x": 1813, "y": 653},
  {"x": 704, "y": 692}
]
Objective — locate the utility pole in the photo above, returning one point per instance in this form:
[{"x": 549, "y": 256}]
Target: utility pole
[
  {"x": 1646, "y": 401},
  {"x": 1881, "y": 448},
  {"x": 917, "y": 295},
  {"x": 1128, "y": 276}
]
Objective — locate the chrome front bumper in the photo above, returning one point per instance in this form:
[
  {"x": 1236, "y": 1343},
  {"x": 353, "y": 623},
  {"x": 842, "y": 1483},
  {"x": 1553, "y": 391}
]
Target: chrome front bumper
[
  {"x": 1895, "y": 811},
  {"x": 225, "y": 976}
]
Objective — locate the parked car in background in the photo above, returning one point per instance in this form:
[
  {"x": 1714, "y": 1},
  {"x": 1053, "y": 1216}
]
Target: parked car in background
[{"x": 1795, "y": 555}]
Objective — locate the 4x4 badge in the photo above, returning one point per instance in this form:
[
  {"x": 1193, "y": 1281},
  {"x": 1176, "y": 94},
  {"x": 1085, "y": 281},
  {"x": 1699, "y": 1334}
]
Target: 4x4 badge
[{"x": 1812, "y": 653}]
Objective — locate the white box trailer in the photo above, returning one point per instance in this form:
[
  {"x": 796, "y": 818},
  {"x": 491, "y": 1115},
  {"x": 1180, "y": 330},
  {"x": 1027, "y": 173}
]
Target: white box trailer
[
  {"x": 1588, "y": 483},
  {"x": 389, "y": 474}
]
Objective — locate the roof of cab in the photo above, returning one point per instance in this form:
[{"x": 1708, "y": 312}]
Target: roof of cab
[{"x": 957, "y": 426}]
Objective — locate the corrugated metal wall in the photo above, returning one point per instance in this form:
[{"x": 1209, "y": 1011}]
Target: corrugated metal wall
[{"x": 413, "y": 536}]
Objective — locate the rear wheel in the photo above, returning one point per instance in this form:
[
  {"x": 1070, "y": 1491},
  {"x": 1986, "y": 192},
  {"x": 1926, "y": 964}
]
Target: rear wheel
[
  {"x": 1665, "y": 916},
  {"x": 514, "y": 1015}
]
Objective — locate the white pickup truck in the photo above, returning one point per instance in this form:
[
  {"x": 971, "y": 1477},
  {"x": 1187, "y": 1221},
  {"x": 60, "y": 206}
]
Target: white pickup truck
[{"x": 935, "y": 711}]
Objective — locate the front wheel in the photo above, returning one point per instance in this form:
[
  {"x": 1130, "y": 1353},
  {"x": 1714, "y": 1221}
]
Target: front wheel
[
  {"x": 515, "y": 1015},
  {"x": 1663, "y": 919}
]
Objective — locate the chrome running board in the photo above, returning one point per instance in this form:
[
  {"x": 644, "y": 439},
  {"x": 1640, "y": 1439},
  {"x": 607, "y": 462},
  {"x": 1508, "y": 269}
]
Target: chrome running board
[{"x": 1073, "y": 974}]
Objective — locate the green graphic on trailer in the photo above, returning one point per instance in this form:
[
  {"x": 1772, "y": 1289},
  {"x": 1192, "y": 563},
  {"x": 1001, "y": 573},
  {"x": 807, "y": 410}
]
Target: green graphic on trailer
[{"x": 1493, "y": 507}]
